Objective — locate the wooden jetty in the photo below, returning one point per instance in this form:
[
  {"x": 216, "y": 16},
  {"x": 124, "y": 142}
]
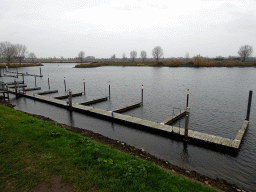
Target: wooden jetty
[
  {"x": 149, "y": 125},
  {"x": 127, "y": 108},
  {"x": 18, "y": 85},
  {"x": 13, "y": 83},
  {"x": 25, "y": 74},
  {"x": 66, "y": 96},
  {"x": 94, "y": 101},
  {"x": 4, "y": 92},
  {"x": 47, "y": 92},
  {"x": 32, "y": 89},
  {"x": 174, "y": 118}
]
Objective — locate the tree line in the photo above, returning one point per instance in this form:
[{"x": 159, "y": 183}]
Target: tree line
[{"x": 10, "y": 52}]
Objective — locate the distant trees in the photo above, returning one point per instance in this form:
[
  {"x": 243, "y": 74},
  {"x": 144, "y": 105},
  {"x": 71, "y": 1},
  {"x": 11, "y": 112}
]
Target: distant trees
[
  {"x": 7, "y": 51},
  {"x": 113, "y": 57},
  {"x": 245, "y": 51},
  {"x": 187, "y": 56},
  {"x": 81, "y": 55},
  {"x": 157, "y": 52},
  {"x": 21, "y": 52},
  {"x": 133, "y": 55},
  {"x": 32, "y": 56},
  {"x": 124, "y": 57},
  {"x": 143, "y": 55}
]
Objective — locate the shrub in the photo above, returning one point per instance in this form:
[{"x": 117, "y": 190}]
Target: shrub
[
  {"x": 173, "y": 63},
  {"x": 159, "y": 64},
  {"x": 230, "y": 62},
  {"x": 198, "y": 61}
]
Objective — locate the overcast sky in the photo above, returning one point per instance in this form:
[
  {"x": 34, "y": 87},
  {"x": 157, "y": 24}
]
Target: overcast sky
[{"x": 102, "y": 28}]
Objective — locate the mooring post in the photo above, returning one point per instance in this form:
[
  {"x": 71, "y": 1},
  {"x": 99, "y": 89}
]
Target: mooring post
[
  {"x": 186, "y": 125},
  {"x": 109, "y": 90},
  {"x": 84, "y": 88},
  {"x": 249, "y": 106},
  {"x": 22, "y": 78},
  {"x": 48, "y": 83},
  {"x": 7, "y": 89},
  {"x": 70, "y": 101},
  {"x": 35, "y": 80},
  {"x": 187, "y": 97},
  {"x": 15, "y": 87},
  {"x": 142, "y": 95},
  {"x": 40, "y": 72},
  {"x": 65, "y": 84},
  {"x": 17, "y": 74}
]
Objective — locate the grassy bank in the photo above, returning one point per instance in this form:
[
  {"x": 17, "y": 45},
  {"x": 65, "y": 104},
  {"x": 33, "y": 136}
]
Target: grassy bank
[
  {"x": 32, "y": 151},
  {"x": 16, "y": 65}
]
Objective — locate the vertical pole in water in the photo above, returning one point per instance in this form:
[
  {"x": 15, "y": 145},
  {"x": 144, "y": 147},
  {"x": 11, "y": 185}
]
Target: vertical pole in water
[
  {"x": 70, "y": 100},
  {"x": 187, "y": 97},
  {"x": 186, "y": 124},
  {"x": 142, "y": 95},
  {"x": 35, "y": 80},
  {"x": 249, "y": 106},
  {"x": 84, "y": 88},
  {"x": 7, "y": 92},
  {"x": 40, "y": 72},
  {"x": 109, "y": 90},
  {"x": 17, "y": 74},
  {"x": 15, "y": 87},
  {"x": 65, "y": 84},
  {"x": 22, "y": 78},
  {"x": 1, "y": 72},
  {"x": 48, "y": 83}
]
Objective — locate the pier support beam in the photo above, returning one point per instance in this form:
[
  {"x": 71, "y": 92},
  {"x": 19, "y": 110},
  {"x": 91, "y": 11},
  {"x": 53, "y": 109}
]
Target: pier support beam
[
  {"x": 35, "y": 80},
  {"x": 22, "y": 78},
  {"x": 187, "y": 97},
  {"x": 142, "y": 95},
  {"x": 65, "y": 84},
  {"x": 48, "y": 83},
  {"x": 109, "y": 90},
  {"x": 186, "y": 125},
  {"x": 40, "y": 72},
  {"x": 249, "y": 106},
  {"x": 84, "y": 88},
  {"x": 15, "y": 84},
  {"x": 70, "y": 101}
]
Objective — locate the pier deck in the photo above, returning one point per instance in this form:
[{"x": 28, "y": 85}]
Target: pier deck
[
  {"x": 47, "y": 92},
  {"x": 174, "y": 118},
  {"x": 127, "y": 108},
  {"x": 160, "y": 127},
  {"x": 66, "y": 96},
  {"x": 94, "y": 101}
]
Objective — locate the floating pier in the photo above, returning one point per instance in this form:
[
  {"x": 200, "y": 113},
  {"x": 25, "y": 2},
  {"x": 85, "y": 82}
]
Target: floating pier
[
  {"x": 47, "y": 92},
  {"x": 127, "y": 108},
  {"x": 149, "y": 125},
  {"x": 32, "y": 89},
  {"x": 174, "y": 118},
  {"x": 17, "y": 85},
  {"x": 66, "y": 96},
  {"x": 13, "y": 83},
  {"x": 94, "y": 101}
]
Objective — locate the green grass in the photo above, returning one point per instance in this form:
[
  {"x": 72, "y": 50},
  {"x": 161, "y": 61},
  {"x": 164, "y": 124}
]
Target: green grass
[{"x": 32, "y": 151}]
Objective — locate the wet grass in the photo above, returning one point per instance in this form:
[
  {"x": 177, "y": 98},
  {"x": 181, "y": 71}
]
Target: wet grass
[{"x": 32, "y": 151}]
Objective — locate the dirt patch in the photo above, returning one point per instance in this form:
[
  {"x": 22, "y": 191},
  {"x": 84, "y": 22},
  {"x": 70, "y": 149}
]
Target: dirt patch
[
  {"x": 54, "y": 185},
  {"x": 217, "y": 184}
]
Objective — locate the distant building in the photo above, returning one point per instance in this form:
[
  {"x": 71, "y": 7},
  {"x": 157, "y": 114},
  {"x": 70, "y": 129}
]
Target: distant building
[{"x": 90, "y": 58}]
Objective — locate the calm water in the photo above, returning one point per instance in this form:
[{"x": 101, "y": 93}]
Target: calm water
[{"x": 218, "y": 102}]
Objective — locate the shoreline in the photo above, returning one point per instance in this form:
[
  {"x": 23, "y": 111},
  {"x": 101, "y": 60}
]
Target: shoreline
[{"x": 217, "y": 184}]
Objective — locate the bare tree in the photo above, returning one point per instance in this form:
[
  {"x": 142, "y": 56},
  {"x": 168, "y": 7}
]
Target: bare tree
[
  {"x": 21, "y": 52},
  {"x": 133, "y": 55},
  {"x": 81, "y": 56},
  {"x": 113, "y": 57},
  {"x": 245, "y": 51},
  {"x": 143, "y": 55},
  {"x": 157, "y": 52},
  {"x": 32, "y": 56},
  {"x": 7, "y": 51},
  {"x": 124, "y": 57},
  {"x": 187, "y": 56}
]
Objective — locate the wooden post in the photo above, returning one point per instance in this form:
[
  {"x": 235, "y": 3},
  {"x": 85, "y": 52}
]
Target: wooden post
[
  {"x": 17, "y": 74},
  {"x": 15, "y": 87},
  {"x": 187, "y": 97},
  {"x": 186, "y": 125},
  {"x": 249, "y": 106},
  {"x": 40, "y": 72},
  {"x": 23, "y": 78},
  {"x": 109, "y": 90},
  {"x": 35, "y": 80},
  {"x": 84, "y": 88},
  {"x": 70, "y": 101},
  {"x": 7, "y": 92},
  {"x": 48, "y": 83},
  {"x": 142, "y": 95},
  {"x": 65, "y": 84}
]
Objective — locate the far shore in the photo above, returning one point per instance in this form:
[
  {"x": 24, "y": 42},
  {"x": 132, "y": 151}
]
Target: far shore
[{"x": 16, "y": 65}]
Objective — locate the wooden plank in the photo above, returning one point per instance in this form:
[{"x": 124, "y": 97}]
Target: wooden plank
[
  {"x": 174, "y": 118},
  {"x": 32, "y": 89},
  {"x": 67, "y": 96},
  {"x": 217, "y": 140},
  {"x": 191, "y": 133},
  {"x": 127, "y": 108},
  {"x": 47, "y": 92},
  {"x": 235, "y": 144},
  {"x": 94, "y": 101},
  {"x": 18, "y": 85}
]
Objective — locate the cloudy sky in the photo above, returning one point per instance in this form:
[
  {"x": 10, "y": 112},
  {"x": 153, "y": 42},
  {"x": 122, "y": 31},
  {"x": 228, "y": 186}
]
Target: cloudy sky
[{"x": 102, "y": 28}]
